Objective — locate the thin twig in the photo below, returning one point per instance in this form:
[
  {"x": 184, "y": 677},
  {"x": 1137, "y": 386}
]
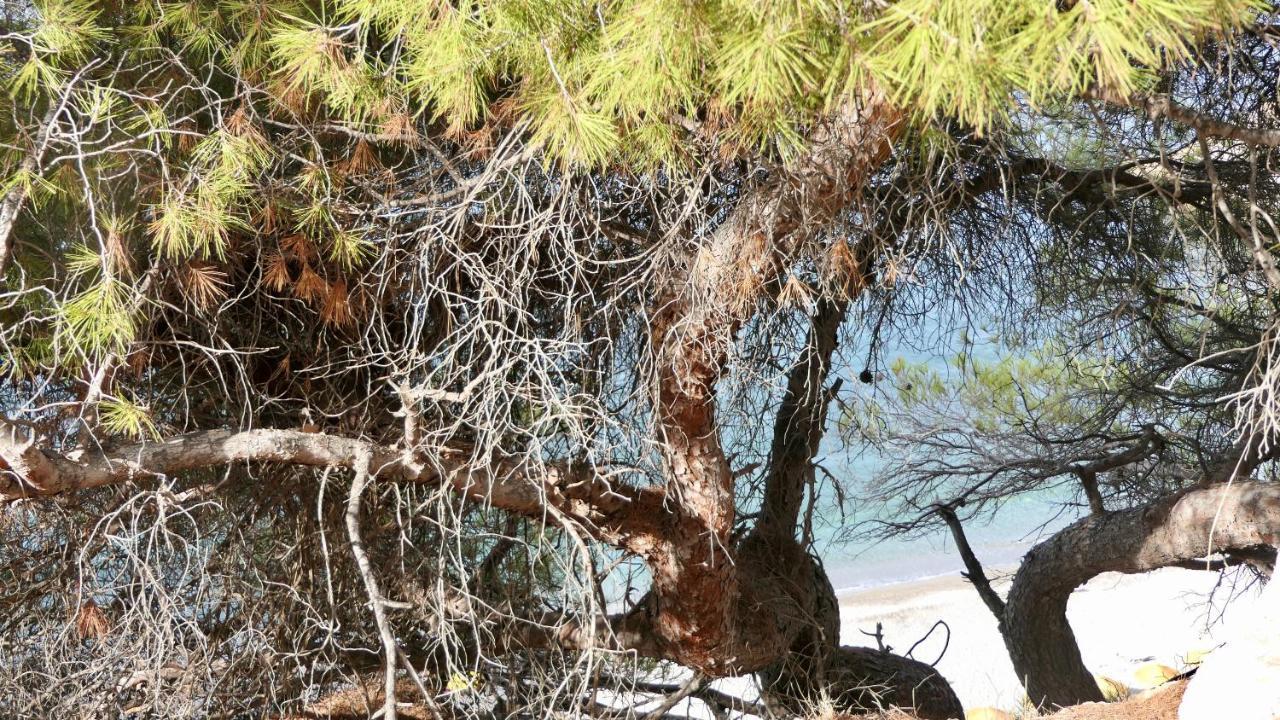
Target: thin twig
[{"x": 358, "y": 484}]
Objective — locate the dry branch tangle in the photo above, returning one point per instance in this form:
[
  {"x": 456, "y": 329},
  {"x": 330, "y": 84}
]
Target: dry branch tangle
[{"x": 715, "y": 607}]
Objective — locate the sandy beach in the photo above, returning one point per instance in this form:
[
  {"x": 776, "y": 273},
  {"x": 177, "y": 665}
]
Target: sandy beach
[{"x": 1120, "y": 621}]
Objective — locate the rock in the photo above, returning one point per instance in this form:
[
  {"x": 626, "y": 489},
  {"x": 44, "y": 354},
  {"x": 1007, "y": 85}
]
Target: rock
[
  {"x": 1158, "y": 704},
  {"x": 1153, "y": 675},
  {"x": 1112, "y": 689},
  {"x": 987, "y": 713},
  {"x": 1241, "y": 680}
]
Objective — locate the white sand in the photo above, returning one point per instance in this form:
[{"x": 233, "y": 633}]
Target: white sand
[{"x": 1120, "y": 621}]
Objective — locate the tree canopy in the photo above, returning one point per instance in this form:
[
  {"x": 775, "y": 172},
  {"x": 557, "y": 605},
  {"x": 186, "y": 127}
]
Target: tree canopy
[{"x": 467, "y": 354}]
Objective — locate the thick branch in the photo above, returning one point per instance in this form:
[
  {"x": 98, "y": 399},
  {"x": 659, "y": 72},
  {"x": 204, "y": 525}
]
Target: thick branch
[
  {"x": 632, "y": 631},
  {"x": 696, "y": 320},
  {"x": 1096, "y": 185},
  {"x": 798, "y": 427},
  {"x": 22, "y": 464},
  {"x": 1262, "y": 559},
  {"x": 1187, "y": 526},
  {"x": 707, "y": 694},
  {"x": 613, "y": 512},
  {"x": 1148, "y": 442},
  {"x": 694, "y": 683},
  {"x": 1238, "y": 461}
]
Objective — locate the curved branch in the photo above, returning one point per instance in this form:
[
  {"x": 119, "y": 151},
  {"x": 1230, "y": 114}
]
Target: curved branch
[{"x": 1186, "y": 526}]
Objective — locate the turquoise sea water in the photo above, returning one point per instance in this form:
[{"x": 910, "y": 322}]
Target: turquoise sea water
[
  {"x": 855, "y": 563},
  {"x": 998, "y": 541},
  {"x": 852, "y": 559}
]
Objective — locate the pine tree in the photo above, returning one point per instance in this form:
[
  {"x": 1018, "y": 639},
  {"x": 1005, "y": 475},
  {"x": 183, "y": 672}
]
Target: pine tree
[{"x": 505, "y": 269}]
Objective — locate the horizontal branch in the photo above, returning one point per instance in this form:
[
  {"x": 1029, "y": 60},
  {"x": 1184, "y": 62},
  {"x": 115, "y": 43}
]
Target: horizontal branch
[
  {"x": 1162, "y": 106},
  {"x": 615, "y": 513}
]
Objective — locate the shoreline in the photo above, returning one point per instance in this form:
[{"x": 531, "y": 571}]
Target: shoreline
[
  {"x": 947, "y": 578},
  {"x": 899, "y": 561}
]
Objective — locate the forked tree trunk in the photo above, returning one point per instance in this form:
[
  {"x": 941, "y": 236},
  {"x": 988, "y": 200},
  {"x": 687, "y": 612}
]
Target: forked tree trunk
[
  {"x": 813, "y": 666},
  {"x": 1170, "y": 532},
  {"x": 708, "y": 610},
  {"x": 715, "y": 608}
]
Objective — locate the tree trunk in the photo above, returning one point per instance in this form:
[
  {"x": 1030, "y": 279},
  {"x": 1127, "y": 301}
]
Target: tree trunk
[
  {"x": 854, "y": 679},
  {"x": 705, "y": 611},
  {"x": 714, "y": 608},
  {"x": 1044, "y": 651},
  {"x": 787, "y": 589},
  {"x": 1187, "y": 526}
]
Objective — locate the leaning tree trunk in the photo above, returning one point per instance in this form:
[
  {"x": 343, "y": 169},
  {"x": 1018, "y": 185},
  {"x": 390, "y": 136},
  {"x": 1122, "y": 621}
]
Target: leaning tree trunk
[
  {"x": 1184, "y": 527},
  {"x": 781, "y": 573}
]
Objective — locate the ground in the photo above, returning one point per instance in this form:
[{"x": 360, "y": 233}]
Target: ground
[{"x": 1158, "y": 704}]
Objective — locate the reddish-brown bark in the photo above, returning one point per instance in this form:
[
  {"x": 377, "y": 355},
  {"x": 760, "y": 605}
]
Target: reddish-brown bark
[
  {"x": 717, "y": 608},
  {"x": 698, "y": 589}
]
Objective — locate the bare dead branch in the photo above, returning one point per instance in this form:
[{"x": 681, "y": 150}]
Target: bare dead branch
[{"x": 973, "y": 568}]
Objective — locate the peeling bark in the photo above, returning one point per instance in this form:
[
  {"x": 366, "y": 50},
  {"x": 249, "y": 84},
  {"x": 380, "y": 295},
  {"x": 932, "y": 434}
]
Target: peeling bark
[{"x": 697, "y": 586}]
